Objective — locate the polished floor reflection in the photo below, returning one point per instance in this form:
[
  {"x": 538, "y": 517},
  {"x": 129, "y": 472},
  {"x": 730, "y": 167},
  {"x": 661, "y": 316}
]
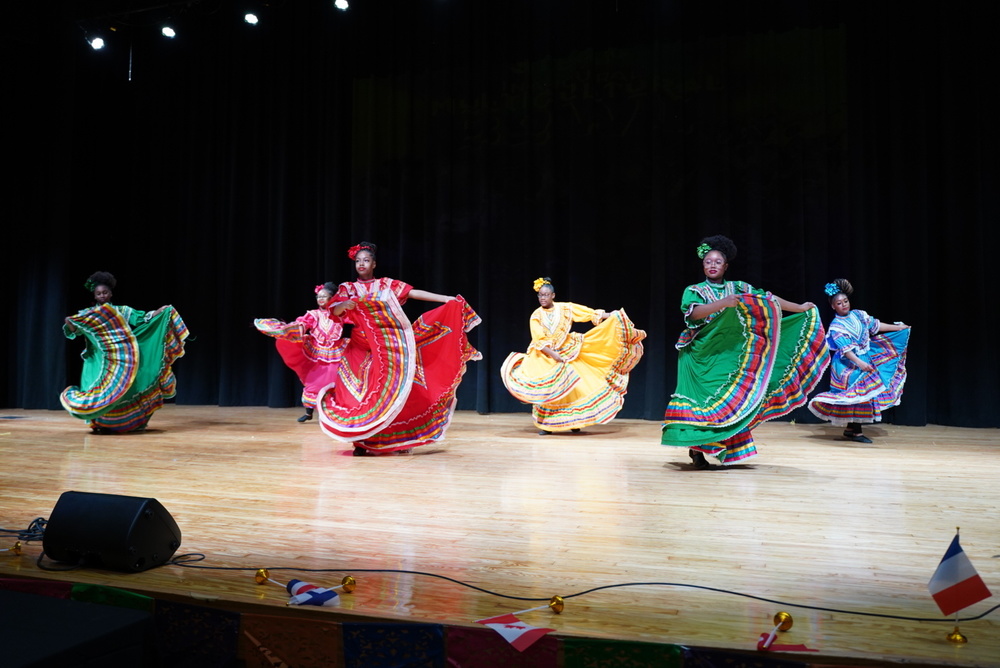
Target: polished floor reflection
[{"x": 818, "y": 526}]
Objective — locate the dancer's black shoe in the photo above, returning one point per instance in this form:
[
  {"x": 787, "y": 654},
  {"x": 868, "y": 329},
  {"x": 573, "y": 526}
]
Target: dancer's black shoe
[{"x": 698, "y": 459}]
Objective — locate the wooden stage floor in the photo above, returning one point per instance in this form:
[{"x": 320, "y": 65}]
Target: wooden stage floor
[{"x": 856, "y": 530}]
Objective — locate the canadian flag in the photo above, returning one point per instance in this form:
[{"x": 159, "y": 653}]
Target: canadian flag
[{"x": 520, "y": 635}]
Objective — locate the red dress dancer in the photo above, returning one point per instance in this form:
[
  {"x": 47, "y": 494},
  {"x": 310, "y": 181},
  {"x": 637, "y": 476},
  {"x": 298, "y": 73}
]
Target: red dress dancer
[
  {"x": 397, "y": 381},
  {"x": 310, "y": 345}
]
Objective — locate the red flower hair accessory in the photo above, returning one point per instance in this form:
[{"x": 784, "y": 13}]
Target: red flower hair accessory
[
  {"x": 353, "y": 251},
  {"x": 318, "y": 288}
]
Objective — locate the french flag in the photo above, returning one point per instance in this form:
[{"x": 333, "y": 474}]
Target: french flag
[
  {"x": 304, "y": 593},
  {"x": 956, "y": 584}
]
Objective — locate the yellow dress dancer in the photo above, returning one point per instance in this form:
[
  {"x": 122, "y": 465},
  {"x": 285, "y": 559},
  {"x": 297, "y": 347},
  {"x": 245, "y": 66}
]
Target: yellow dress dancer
[{"x": 573, "y": 380}]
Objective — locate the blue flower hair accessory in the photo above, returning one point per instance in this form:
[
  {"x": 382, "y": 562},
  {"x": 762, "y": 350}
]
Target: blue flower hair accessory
[
  {"x": 703, "y": 251},
  {"x": 831, "y": 289}
]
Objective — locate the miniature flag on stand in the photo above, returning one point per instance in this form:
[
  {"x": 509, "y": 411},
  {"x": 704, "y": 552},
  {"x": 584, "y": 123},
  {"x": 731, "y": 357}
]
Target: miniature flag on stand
[
  {"x": 766, "y": 643},
  {"x": 304, "y": 593},
  {"x": 783, "y": 622},
  {"x": 521, "y": 636},
  {"x": 956, "y": 584}
]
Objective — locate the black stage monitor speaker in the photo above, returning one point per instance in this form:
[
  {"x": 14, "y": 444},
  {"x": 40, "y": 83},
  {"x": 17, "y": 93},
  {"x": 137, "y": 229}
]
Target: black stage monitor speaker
[{"x": 124, "y": 533}]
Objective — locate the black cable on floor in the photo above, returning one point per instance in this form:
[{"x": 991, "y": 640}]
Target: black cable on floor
[
  {"x": 187, "y": 561},
  {"x": 34, "y": 532}
]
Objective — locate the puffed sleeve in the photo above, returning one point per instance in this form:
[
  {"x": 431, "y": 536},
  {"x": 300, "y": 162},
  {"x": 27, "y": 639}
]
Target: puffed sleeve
[
  {"x": 583, "y": 313},
  {"x": 689, "y": 300},
  {"x": 344, "y": 293},
  {"x": 401, "y": 289},
  {"x": 309, "y": 320},
  {"x": 743, "y": 288},
  {"x": 872, "y": 323},
  {"x": 133, "y": 316},
  {"x": 840, "y": 339}
]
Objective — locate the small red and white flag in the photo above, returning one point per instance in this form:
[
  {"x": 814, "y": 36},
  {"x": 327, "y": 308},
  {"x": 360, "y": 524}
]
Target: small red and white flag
[
  {"x": 304, "y": 593},
  {"x": 956, "y": 584},
  {"x": 766, "y": 643},
  {"x": 520, "y": 635}
]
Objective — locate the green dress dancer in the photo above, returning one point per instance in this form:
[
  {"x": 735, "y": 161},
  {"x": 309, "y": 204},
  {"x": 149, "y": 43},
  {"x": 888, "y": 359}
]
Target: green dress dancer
[
  {"x": 127, "y": 362},
  {"x": 739, "y": 361}
]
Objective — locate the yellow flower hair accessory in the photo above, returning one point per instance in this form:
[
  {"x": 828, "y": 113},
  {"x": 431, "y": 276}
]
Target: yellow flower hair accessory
[{"x": 539, "y": 282}]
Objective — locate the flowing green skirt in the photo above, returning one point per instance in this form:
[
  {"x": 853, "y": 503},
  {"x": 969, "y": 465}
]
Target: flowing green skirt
[
  {"x": 127, "y": 371},
  {"x": 746, "y": 366}
]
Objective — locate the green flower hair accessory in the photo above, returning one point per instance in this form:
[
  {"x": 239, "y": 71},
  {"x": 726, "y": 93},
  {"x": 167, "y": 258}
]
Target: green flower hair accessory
[
  {"x": 831, "y": 289},
  {"x": 703, "y": 251},
  {"x": 90, "y": 285}
]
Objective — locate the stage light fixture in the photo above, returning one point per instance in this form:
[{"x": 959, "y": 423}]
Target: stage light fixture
[
  {"x": 341, "y": 5},
  {"x": 167, "y": 31},
  {"x": 94, "y": 34},
  {"x": 251, "y": 18}
]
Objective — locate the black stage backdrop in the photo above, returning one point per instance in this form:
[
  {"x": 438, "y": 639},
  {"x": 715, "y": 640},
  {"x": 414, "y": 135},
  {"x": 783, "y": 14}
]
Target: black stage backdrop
[{"x": 481, "y": 144}]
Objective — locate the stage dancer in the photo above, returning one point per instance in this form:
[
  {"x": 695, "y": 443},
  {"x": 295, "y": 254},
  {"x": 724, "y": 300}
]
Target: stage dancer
[
  {"x": 868, "y": 369},
  {"x": 311, "y": 345},
  {"x": 397, "y": 380},
  {"x": 127, "y": 362},
  {"x": 739, "y": 362},
  {"x": 573, "y": 380}
]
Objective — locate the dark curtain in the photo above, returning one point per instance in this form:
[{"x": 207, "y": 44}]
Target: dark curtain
[{"x": 483, "y": 144}]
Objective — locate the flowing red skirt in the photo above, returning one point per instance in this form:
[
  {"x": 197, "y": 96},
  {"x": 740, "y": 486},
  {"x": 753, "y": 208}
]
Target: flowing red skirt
[{"x": 397, "y": 381}]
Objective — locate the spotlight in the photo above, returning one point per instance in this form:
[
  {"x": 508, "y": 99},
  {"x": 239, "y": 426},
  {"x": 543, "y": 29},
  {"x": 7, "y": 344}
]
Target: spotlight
[
  {"x": 251, "y": 18},
  {"x": 94, "y": 35},
  {"x": 341, "y": 5},
  {"x": 168, "y": 32}
]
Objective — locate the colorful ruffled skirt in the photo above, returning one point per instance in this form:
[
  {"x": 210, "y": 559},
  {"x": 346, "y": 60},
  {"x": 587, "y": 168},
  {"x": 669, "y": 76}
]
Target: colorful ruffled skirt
[
  {"x": 746, "y": 366},
  {"x": 127, "y": 371},
  {"x": 315, "y": 364},
  {"x": 859, "y": 397},
  {"x": 397, "y": 381},
  {"x": 588, "y": 389}
]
